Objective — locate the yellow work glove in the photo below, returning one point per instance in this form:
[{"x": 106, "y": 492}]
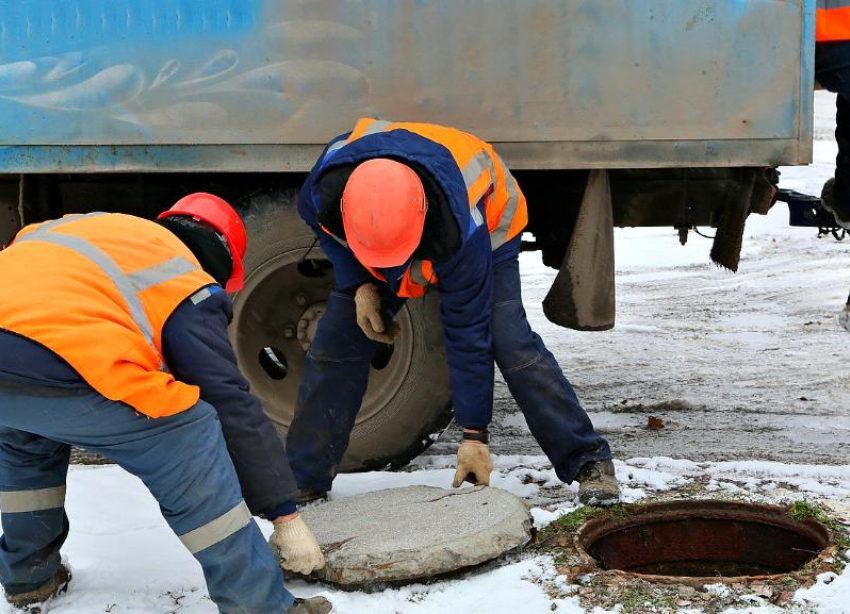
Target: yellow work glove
[
  {"x": 296, "y": 547},
  {"x": 368, "y": 303},
  {"x": 473, "y": 458}
]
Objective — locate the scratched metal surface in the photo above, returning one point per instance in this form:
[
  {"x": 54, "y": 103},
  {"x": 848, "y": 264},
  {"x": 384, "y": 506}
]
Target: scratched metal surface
[{"x": 261, "y": 84}]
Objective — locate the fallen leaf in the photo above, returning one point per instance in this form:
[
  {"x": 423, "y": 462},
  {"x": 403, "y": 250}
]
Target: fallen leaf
[
  {"x": 784, "y": 598},
  {"x": 654, "y": 423},
  {"x": 763, "y": 590}
]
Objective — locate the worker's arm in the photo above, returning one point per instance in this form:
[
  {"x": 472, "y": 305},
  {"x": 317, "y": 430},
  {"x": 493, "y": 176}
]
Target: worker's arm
[
  {"x": 315, "y": 195},
  {"x": 466, "y": 295},
  {"x": 349, "y": 274},
  {"x": 197, "y": 350}
]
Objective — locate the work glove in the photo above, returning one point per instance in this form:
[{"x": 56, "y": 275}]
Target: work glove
[
  {"x": 296, "y": 547},
  {"x": 473, "y": 458},
  {"x": 368, "y": 303},
  {"x": 844, "y": 318}
]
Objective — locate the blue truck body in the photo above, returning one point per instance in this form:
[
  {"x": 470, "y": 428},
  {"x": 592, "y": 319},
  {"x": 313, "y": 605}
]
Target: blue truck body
[
  {"x": 611, "y": 113},
  {"x": 260, "y": 85}
]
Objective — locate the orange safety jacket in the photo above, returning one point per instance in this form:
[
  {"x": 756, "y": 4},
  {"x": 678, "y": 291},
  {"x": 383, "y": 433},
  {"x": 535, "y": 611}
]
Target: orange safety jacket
[
  {"x": 97, "y": 290},
  {"x": 485, "y": 177},
  {"x": 833, "y": 21}
]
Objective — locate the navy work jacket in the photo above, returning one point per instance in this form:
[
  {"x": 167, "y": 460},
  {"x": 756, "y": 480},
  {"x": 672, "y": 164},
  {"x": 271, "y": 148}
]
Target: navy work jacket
[{"x": 465, "y": 275}]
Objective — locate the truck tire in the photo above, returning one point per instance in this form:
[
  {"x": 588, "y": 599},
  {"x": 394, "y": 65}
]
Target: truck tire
[{"x": 408, "y": 402}]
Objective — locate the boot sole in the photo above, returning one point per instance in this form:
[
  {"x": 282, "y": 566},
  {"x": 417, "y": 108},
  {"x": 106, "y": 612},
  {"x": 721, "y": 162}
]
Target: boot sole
[{"x": 41, "y": 606}]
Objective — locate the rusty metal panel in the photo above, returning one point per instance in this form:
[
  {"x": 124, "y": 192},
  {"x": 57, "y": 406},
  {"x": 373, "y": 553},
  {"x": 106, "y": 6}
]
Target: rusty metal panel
[{"x": 555, "y": 83}]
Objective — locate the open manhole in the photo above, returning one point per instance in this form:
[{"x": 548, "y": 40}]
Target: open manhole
[{"x": 709, "y": 540}]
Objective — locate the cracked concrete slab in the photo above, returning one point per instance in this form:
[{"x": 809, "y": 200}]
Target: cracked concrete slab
[{"x": 409, "y": 534}]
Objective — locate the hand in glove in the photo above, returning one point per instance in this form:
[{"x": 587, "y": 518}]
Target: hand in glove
[
  {"x": 368, "y": 302},
  {"x": 473, "y": 458},
  {"x": 296, "y": 547}
]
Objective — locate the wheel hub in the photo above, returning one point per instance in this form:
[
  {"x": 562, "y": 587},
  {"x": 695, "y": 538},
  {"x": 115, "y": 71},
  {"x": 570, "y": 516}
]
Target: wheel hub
[
  {"x": 280, "y": 308},
  {"x": 309, "y": 323}
]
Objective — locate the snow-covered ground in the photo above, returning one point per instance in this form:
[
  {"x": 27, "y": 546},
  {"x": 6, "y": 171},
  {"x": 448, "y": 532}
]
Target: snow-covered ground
[
  {"x": 748, "y": 371},
  {"x": 126, "y": 561},
  {"x": 744, "y": 365}
]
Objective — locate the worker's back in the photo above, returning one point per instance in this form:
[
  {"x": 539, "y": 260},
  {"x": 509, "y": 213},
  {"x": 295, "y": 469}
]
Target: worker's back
[{"x": 97, "y": 290}]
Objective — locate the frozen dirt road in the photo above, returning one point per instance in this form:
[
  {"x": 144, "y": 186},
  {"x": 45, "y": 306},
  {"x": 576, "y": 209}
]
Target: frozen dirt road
[{"x": 746, "y": 365}]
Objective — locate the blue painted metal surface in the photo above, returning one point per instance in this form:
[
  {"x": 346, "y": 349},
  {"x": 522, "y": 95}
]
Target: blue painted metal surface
[
  {"x": 237, "y": 85},
  {"x": 33, "y": 28}
]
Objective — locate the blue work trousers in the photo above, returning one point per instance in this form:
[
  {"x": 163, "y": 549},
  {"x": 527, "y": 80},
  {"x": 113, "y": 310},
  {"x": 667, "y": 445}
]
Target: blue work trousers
[
  {"x": 336, "y": 373},
  {"x": 182, "y": 460}
]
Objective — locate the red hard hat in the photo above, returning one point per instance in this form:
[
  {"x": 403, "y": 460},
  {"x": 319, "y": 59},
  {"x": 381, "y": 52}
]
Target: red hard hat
[
  {"x": 383, "y": 212},
  {"x": 216, "y": 212}
]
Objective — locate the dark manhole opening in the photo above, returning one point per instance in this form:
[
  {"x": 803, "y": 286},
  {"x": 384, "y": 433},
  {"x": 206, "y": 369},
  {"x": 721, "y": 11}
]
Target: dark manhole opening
[{"x": 704, "y": 539}]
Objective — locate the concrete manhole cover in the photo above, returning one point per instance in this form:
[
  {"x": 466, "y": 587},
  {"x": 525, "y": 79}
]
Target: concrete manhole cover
[{"x": 409, "y": 534}]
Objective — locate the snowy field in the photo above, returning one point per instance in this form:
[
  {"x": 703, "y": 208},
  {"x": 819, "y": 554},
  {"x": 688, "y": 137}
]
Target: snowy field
[{"x": 748, "y": 371}]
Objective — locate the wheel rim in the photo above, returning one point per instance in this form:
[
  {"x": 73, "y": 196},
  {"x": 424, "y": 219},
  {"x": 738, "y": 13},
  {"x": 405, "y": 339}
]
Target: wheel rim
[{"x": 280, "y": 308}]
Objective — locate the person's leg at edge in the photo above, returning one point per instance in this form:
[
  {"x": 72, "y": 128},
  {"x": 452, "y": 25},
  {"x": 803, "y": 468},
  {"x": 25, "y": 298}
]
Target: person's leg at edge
[
  {"x": 841, "y": 189},
  {"x": 336, "y": 374},
  {"x": 832, "y": 70},
  {"x": 32, "y": 497},
  {"x": 183, "y": 460},
  {"x": 547, "y": 399}
]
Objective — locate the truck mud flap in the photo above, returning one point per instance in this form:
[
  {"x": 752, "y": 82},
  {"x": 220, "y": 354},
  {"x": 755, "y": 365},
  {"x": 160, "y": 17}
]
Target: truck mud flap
[{"x": 582, "y": 296}]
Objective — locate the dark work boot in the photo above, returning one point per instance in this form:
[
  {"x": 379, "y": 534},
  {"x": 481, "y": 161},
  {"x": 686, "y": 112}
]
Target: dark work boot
[
  {"x": 827, "y": 196},
  {"x": 315, "y": 605},
  {"x": 598, "y": 484},
  {"x": 37, "y": 601}
]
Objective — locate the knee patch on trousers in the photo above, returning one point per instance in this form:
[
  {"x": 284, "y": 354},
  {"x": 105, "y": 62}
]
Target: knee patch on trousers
[{"x": 515, "y": 345}]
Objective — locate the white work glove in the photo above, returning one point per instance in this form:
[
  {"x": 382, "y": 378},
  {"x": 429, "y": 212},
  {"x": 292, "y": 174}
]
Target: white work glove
[
  {"x": 473, "y": 457},
  {"x": 368, "y": 302},
  {"x": 296, "y": 547},
  {"x": 844, "y": 318}
]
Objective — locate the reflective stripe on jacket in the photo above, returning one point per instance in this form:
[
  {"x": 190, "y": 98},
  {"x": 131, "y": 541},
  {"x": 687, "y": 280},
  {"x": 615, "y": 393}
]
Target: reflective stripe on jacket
[
  {"x": 97, "y": 290},
  {"x": 833, "y": 21},
  {"x": 492, "y": 193}
]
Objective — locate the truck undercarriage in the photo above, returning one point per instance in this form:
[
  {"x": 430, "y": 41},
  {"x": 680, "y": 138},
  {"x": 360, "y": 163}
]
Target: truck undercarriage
[{"x": 408, "y": 402}]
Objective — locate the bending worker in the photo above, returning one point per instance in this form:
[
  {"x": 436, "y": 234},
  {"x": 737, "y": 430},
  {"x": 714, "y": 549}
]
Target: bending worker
[
  {"x": 114, "y": 339},
  {"x": 399, "y": 207},
  {"x": 832, "y": 70}
]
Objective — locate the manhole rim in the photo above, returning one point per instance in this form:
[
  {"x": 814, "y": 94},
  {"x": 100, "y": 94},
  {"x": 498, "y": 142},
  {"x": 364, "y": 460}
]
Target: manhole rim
[{"x": 776, "y": 515}]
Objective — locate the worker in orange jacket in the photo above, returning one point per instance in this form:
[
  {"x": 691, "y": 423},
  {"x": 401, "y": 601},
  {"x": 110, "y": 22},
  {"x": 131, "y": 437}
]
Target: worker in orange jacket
[
  {"x": 399, "y": 207},
  {"x": 832, "y": 70},
  {"x": 113, "y": 338}
]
